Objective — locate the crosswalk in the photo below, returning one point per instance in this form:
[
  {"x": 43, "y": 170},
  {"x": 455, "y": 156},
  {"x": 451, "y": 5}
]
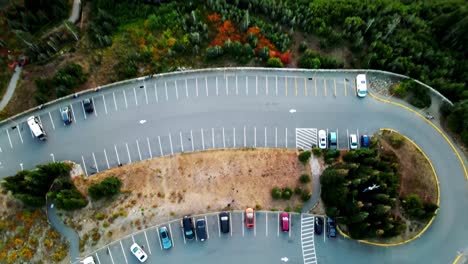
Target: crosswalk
[
  {"x": 307, "y": 239},
  {"x": 306, "y": 138}
]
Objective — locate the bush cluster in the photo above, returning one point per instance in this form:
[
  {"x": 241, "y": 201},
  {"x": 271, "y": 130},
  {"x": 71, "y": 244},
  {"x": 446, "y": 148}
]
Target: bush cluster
[
  {"x": 106, "y": 188},
  {"x": 304, "y": 156}
]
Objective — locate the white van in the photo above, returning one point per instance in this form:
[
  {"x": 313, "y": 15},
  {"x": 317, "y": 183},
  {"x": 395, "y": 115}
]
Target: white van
[
  {"x": 36, "y": 128},
  {"x": 361, "y": 85}
]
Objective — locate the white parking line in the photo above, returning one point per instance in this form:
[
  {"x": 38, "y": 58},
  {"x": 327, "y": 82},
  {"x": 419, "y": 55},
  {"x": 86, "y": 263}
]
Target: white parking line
[
  {"x": 237, "y": 89},
  {"x": 290, "y": 224},
  {"x": 138, "y": 147},
  {"x": 217, "y": 92},
  {"x": 212, "y": 137},
  {"x": 265, "y": 137},
  {"x": 230, "y": 222},
  {"x": 255, "y": 224},
  {"x": 186, "y": 88},
  {"x": 181, "y": 143},
  {"x": 84, "y": 112},
  {"x": 156, "y": 93},
  {"x": 97, "y": 257},
  {"x": 245, "y": 140},
  {"x": 286, "y": 138},
  {"x": 224, "y": 140},
  {"x": 246, "y": 85},
  {"x": 347, "y": 137},
  {"x": 276, "y": 137},
  {"x": 53, "y": 157},
  {"x": 234, "y": 137},
  {"x": 226, "y": 84},
  {"x": 128, "y": 153},
  {"x": 95, "y": 163},
  {"x": 149, "y": 148},
  {"x": 117, "y": 154},
  {"x": 115, "y": 101},
  {"x": 19, "y": 133},
  {"x": 21, "y": 166},
  {"x": 337, "y": 141},
  {"x": 110, "y": 254},
  {"x": 73, "y": 113},
  {"x": 191, "y": 140},
  {"x": 146, "y": 94},
  {"x": 125, "y": 98},
  {"x": 176, "y": 90},
  {"x": 123, "y": 251},
  {"x": 134, "y": 94},
  {"x": 170, "y": 140},
  {"x": 105, "y": 105},
  {"x": 277, "y": 226},
  {"x": 219, "y": 228},
  {"x": 276, "y": 84},
  {"x": 206, "y": 85},
  {"x": 357, "y": 138},
  {"x": 183, "y": 235},
  {"x": 170, "y": 233},
  {"x": 203, "y": 139},
  {"x": 52, "y": 121},
  {"x": 266, "y": 223},
  {"x": 94, "y": 107},
  {"x": 255, "y": 137},
  {"x": 167, "y": 96},
  {"x": 84, "y": 166},
  {"x": 107, "y": 160},
  {"x": 256, "y": 84},
  {"x": 133, "y": 239},
  {"x": 196, "y": 85},
  {"x": 207, "y": 231},
  {"x": 160, "y": 147},
  {"x": 147, "y": 243},
  {"x": 243, "y": 223}
]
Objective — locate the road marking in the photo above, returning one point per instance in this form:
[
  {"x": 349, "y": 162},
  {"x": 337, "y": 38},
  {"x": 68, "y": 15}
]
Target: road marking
[
  {"x": 181, "y": 143},
  {"x": 286, "y": 138},
  {"x": 146, "y": 94},
  {"x": 276, "y": 84},
  {"x": 255, "y": 137},
  {"x": 176, "y": 90},
  {"x": 110, "y": 254},
  {"x": 265, "y": 137},
  {"x": 325, "y": 86},
  {"x": 337, "y": 141},
  {"x": 237, "y": 89},
  {"x": 183, "y": 235},
  {"x": 21, "y": 166},
  {"x": 315, "y": 86},
  {"x": 186, "y": 88},
  {"x": 234, "y": 137},
  {"x": 159, "y": 237},
  {"x": 196, "y": 85},
  {"x": 247, "y": 85},
  {"x": 191, "y": 140},
  {"x": 73, "y": 113},
  {"x": 128, "y": 153},
  {"x": 266, "y": 223},
  {"x": 212, "y": 137},
  {"x": 19, "y": 133},
  {"x": 97, "y": 257},
  {"x": 167, "y": 96},
  {"x": 147, "y": 243},
  {"x": 53, "y": 157},
  {"x": 138, "y": 147},
  {"x": 357, "y": 138},
  {"x": 243, "y": 223},
  {"x": 306, "y": 138},
  {"x": 305, "y": 86},
  {"x": 94, "y": 107},
  {"x": 276, "y": 137},
  {"x": 170, "y": 234},
  {"x": 160, "y": 147},
  {"x": 84, "y": 166},
  {"x": 230, "y": 223},
  {"x": 255, "y": 224},
  {"x": 95, "y": 163},
  {"x": 206, "y": 85},
  {"x": 149, "y": 148},
  {"x": 207, "y": 231},
  {"x": 134, "y": 94},
  {"x": 125, "y": 98},
  {"x": 286, "y": 85},
  {"x": 217, "y": 93},
  {"x": 256, "y": 84},
  {"x": 52, "y": 121},
  {"x": 107, "y": 160},
  {"x": 156, "y": 93},
  {"x": 170, "y": 141},
  {"x": 203, "y": 139},
  {"x": 133, "y": 239},
  {"x": 266, "y": 84},
  {"x": 354, "y": 84},
  {"x": 105, "y": 105},
  {"x": 245, "y": 141},
  {"x": 224, "y": 140},
  {"x": 226, "y": 84},
  {"x": 125, "y": 257},
  {"x": 345, "y": 92},
  {"x": 334, "y": 82},
  {"x": 219, "y": 228},
  {"x": 84, "y": 112},
  {"x": 295, "y": 85},
  {"x": 324, "y": 228},
  {"x": 117, "y": 154},
  {"x": 347, "y": 137},
  {"x": 277, "y": 226}
]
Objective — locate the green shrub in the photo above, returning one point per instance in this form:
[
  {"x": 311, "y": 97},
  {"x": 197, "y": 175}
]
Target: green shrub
[
  {"x": 286, "y": 193},
  {"x": 298, "y": 190},
  {"x": 306, "y": 195},
  {"x": 298, "y": 209},
  {"x": 106, "y": 188},
  {"x": 396, "y": 141},
  {"x": 317, "y": 152},
  {"x": 287, "y": 209},
  {"x": 100, "y": 216},
  {"x": 304, "y": 178},
  {"x": 303, "y": 46},
  {"x": 304, "y": 156},
  {"x": 399, "y": 90},
  {"x": 332, "y": 154},
  {"x": 274, "y": 63},
  {"x": 276, "y": 193}
]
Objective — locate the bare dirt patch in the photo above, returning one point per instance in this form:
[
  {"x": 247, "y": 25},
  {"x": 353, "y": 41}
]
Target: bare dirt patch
[{"x": 165, "y": 188}]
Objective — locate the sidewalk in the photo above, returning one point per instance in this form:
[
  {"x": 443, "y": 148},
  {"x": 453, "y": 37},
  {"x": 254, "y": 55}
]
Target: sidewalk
[
  {"x": 315, "y": 170},
  {"x": 11, "y": 88}
]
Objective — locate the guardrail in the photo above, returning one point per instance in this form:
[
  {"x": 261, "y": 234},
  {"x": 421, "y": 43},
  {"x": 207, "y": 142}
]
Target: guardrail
[{"x": 224, "y": 71}]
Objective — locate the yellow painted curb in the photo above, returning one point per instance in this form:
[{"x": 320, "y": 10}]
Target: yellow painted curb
[{"x": 455, "y": 261}]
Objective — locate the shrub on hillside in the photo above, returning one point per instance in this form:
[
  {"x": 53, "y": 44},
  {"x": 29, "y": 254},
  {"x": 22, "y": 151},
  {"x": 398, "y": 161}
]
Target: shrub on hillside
[
  {"x": 276, "y": 193},
  {"x": 274, "y": 63},
  {"x": 286, "y": 193},
  {"x": 304, "y": 156},
  {"x": 106, "y": 188},
  {"x": 305, "y": 178}
]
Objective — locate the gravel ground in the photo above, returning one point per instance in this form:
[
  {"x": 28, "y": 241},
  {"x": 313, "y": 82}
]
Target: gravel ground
[{"x": 381, "y": 84}]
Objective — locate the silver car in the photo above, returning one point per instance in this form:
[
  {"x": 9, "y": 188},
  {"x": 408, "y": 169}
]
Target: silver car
[{"x": 322, "y": 136}]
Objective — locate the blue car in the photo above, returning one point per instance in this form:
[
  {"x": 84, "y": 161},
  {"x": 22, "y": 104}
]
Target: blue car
[
  {"x": 331, "y": 227},
  {"x": 165, "y": 239},
  {"x": 365, "y": 141}
]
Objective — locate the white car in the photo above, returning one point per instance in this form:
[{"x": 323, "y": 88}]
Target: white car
[
  {"x": 88, "y": 260},
  {"x": 353, "y": 141},
  {"x": 361, "y": 85},
  {"x": 138, "y": 252},
  {"x": 322, "y": 135}
]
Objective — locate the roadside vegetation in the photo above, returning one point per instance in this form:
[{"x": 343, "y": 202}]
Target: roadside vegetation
[{"x": 383, "y": 192}]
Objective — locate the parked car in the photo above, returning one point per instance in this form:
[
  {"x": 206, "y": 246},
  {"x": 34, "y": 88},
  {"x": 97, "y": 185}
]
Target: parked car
[
  {"x": 353, "y": 141},
  {"x": 284, "y": 222},
  {"x": 361, "y": 85},
  {"x": 88, "y": 105},
  {"x": 187, "y": 226},
  {"x": 322, "y": 139},
  {"x": 138, "y": 252},
  {"x": 332, "y": 140},
  {"x": 249, "y": 218},
  {"x": 318, "y": 225},
  {"x": 35, "y": 126},
  {"x": 331, "y": 227},
  {"x": 65, "y": 113},
  {"x": 201, "y": 229},
  {"x": 165, "y": 238},
  {"x": 88, "y": 260},
  {"x": 365, "y": 141},
  {"x": 224, "y": 222}
]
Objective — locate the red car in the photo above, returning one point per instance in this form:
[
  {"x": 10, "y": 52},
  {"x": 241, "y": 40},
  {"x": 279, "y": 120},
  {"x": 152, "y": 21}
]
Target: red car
[
  {"x": 249, "y": 218},
  {"x": 284, "y": 222}
]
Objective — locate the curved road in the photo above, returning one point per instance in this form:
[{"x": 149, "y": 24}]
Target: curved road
[{"x": 237, "y": 108}]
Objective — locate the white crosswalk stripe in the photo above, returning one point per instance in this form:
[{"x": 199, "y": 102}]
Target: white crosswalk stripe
[
  {"x": 306, "y": 138},
  {"x": 307, "y": 237}
]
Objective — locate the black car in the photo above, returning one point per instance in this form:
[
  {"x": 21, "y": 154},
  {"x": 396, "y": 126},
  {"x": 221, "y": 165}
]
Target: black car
[
  {"x": 318, "y": 225},
  {"x": 65, "y": 113},
  {"x": 88, "y": 105},
  {"x": 187, "y": 226},
  {"x": 201, "y": 229},
  {"x": 224, "y": 222},
  {"x": 331, "y": 227}
]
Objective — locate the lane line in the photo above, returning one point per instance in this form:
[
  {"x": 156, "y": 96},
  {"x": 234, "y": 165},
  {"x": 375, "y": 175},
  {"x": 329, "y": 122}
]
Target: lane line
[
  {"x": 94, "y": 107},
  {"x": 146, "y": 94},
  {"x": 354, "y": 84},
  {"x": 73, "y": 112},
  {"x": 138, "y": 147},
  {"x": 128, "y": 153},
  {"x": 315, "y": 86},
  {"x": 344, "y": 82},
  {"x": 286, "y": 85},
  {"x": 212, "y": 137},
  {"x": 181, "y": 143},
  {"x": 265, "y": 137},
  {"x": 334, "y": 82},
  {"x": 170, "y": 140},
  {"x": 206, "y": 85},
  {"x": 84, "y": 112},
  {"x": 217, "y": 92},
  {"x": 255, "y": 137},
  {"x": 117, "y": 154},
  {"x": 97, "y": 257},
  {"x": 276, "y": 137},
  {"x": 230, "y": 223},
  {"x": 107, "y": 160},
  {"x": 290, "y": 224},
  {"x": 147, "y": 243},
  {"x": 219, "y": 228},
  {"x": 125, "y": 257},
  {"x": 196, "y": 85},
  {"x": 134, "y": 94},
  {"x": 110, "y": 254},
  {"x": 207, "y": 229},
  {"x": 266, "y": 224},
  {"x": 276, "y": 84},
  {"x": 84, "y": 166},
  {"x": 52, "y": 121},
  {"x": 156, "y": 93},
  {"x": 167, "y": 96},
  {"x": 19, "y": 133},
  {"x": 266, "y": 84},
  {"x": 246, "y": 85},
  {"x": 191, "y": 140},
  {"x": 160, "y": 147},
  {"x": 237, "y": 89},
  {"x": 286, "y": 138},
  {"x": 305, "y": 87},
  {"x": 224, "y": 140},
  {"x": 186, "y": 88},
  {"x": 203, "y": 139},
  {"x": 125, "y": 98},
  {"x": 277, "y": 226},
  {"x": 256, "y": 84},
  {"x": 170, "y": 234},
  {"x": 149, "y": 148},
  {"x": 105, "y": 105},
  {"x": 245, "y": 141},
  {"x": 234, "y": 136},
  {"x": 325, "y": 86},
  {"x": 95, "y": 163},
  {"x": 176, "y": 90},
  {"x": 226, "y": 84},
  {"x": 295, "y": 85},
  {"x": 243, "y": 223}
]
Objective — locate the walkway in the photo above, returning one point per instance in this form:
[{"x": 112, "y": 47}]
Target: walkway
[{"x": 11, "y": 88}]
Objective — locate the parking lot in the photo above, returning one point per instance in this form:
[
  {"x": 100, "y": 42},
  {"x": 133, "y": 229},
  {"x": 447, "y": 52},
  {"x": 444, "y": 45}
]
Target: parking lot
[{"x": 254, "y": 243}]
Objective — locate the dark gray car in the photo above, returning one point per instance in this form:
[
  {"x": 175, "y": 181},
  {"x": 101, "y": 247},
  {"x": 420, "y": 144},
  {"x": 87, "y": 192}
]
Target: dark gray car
[{"x": 201, "y": 229}]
